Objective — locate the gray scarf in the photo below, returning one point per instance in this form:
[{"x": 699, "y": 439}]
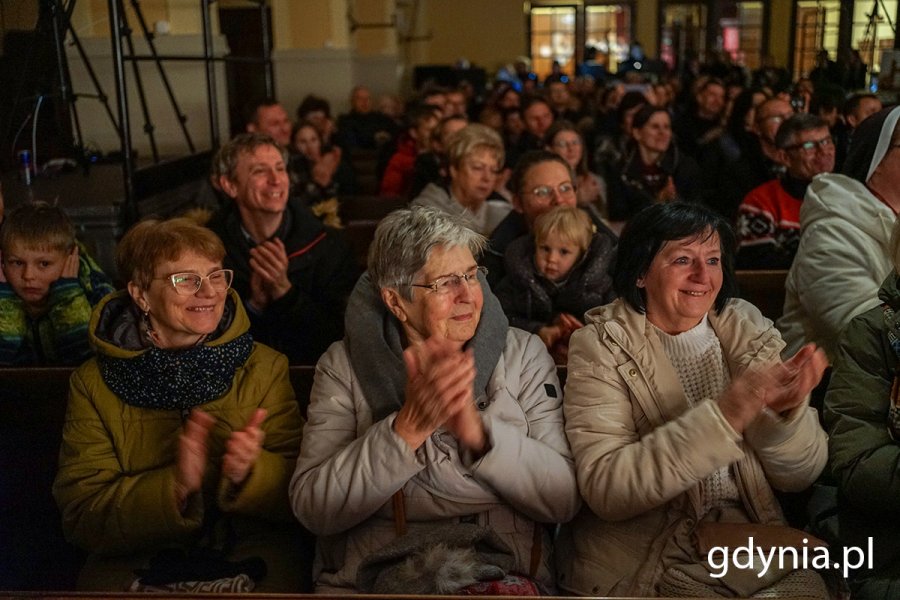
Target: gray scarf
[{"x": 374, "y": 340}]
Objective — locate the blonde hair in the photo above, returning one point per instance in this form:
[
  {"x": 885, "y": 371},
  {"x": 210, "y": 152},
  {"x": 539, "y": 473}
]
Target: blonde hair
[
  {"x": 38, "y": 226},
  {"x": 569, "y": 222},
  {"x": 471, "y": 138},
  {"x": 152, "y": 242}
]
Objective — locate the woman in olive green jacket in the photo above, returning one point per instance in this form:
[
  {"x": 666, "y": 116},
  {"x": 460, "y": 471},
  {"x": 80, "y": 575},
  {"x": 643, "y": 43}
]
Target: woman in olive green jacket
[{"x": 180, "y": 437}]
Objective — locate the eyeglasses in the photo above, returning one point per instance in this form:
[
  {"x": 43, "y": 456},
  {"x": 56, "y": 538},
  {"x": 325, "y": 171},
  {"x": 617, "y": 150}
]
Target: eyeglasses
[
  {"x": 812, "y": 145},
  {"x": 452, "y": 284},
  {"x": 545, "y": 192},
  {"x": 563, "y": 144},
  {"x": 188, "y": 284}
]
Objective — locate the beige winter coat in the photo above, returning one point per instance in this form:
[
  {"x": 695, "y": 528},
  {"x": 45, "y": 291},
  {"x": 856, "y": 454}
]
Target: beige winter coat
[{"x": 640, "y": 450}]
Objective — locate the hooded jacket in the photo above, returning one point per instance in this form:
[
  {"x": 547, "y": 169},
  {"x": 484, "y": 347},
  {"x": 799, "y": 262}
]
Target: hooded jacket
[
  {"x": 843, "y": 253},
  {"x": 863, "y": 456},
  {"x": 59, "y": 336},
  {"x": 116, "y": 481},
  {"x": 641, "y": 451},
  {"x": 352, "y": 461}
]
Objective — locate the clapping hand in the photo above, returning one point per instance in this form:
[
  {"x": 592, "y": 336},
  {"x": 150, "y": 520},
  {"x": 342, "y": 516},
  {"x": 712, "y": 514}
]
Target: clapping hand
[
  {"x": 269, "y": 273},
  {"x": 438, "y": 387},
  {"x": 192, "y": 455},
  {"x": 243, "y": 449}
]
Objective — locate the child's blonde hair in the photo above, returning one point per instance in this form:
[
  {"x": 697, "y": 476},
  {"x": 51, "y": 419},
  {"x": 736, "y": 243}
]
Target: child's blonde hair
[
  {"x": 37, "y": 226},
  {"x": 569, "y": 222}
]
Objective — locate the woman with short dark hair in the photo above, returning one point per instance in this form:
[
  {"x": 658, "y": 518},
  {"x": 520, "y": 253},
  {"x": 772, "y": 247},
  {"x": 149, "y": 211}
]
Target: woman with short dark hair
[{"x": 680, "y": 413}]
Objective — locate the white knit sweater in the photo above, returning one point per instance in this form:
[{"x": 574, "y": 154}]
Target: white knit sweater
[{"x": 697, "y": 357}]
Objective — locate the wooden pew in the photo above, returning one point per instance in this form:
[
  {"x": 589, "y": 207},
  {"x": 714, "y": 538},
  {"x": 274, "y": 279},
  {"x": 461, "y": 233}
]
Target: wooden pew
[
  {"x": 33, "y": 552},
  {"x": 361, "y": 215},
  {"x": 764, "y": 289}
]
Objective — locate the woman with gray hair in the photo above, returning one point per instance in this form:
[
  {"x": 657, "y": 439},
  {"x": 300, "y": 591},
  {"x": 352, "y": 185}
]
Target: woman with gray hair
[
  {"x": 475, "y": 154},
  {"x": 435, "y": 445}
]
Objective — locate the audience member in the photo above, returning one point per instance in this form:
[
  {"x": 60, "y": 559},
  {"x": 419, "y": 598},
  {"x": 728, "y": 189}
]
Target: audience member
[
  {"x": 564, "y": 139},
  {"x": 653, "y": 168},
  {"x": 293, "y": 273},
  {"x": 475, "y": 155},
  {"x": 733, "y": 164},
  {"x": 321, "y": 174},
  {"x": 540, "y": 181},
  {"x": 48, "y": 286},
  {"x": 432, "y": 166},
  {"x": 180, "y": 436},
  {"x": 317, "y": 110},
  {"x": 845, "y": 225},
  {"x": 556, "y": 275},
  {"x": 364, "y": 127},
  {"x": 769, "y": 217},
  {"x": 398, "y": 175},
  {"x": 456, "y": 103},
  {"x": 862, "y": 414},
  {"x": 611, "y": 144},
  {"x": 683, "y": 420},
  {"x": 537, "y": 117},
  {"x": 269, "y": 117},
  {"x": 435, "y": 430},
  {"x": 857, "y": 109},
  {"x": 702, "y": 121}
]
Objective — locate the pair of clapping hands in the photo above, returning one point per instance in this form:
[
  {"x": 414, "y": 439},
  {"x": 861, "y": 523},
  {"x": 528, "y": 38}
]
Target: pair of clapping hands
[
  {"x": 439, "y": 393},
  {"x": 268, "y": 273},
  {"x": 241, "y": 452},
  {"x": 778, "y": 388}
]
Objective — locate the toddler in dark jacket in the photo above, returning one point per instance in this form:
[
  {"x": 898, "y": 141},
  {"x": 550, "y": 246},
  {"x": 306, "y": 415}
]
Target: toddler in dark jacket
[{"x": 556, "y": 275}]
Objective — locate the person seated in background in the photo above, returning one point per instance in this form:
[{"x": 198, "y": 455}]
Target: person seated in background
[
  {"x": 564, "y": 139},
  {"x": 768, "y": 225},
  {"x": 700, "y": 123},
  {"x": 363, "y": 127},
  {"x": 293, "y": 273},
  {"x": 432, "y": 166},
  {"x": 845, "y": 227},
  {"x": 540, "y": 181},
  {"x": 317, "y": 110},
  {"x": 475, "y": 155},
  {"x": 321, "y": 174},
  {"x": 397, "y": 179},
  {"x": 733, "y": 165},
  {"x": 269, "y": 117},
  {"x": 857, "y": 109},
  {"x": 48, "y": 286},
  {"x": 181, "y": 434},
  {"x": 862, "y": 417},
  {"x": 683, "y": 420},
  {"x": 653, "y": 168},
  {"x": 537, "y": 117},
  {"x": 432, "y": 426},
  {"x": 556, "y": 275}
]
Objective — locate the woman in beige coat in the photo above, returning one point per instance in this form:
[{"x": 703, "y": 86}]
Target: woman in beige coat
[{"x": 679, "y": 412}]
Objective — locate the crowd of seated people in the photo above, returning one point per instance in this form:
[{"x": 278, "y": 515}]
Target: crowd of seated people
[{"x": 578, "y": 225}]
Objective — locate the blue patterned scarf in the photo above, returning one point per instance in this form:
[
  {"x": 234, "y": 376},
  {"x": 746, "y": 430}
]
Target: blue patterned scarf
[{"x": 176, "y": 379}]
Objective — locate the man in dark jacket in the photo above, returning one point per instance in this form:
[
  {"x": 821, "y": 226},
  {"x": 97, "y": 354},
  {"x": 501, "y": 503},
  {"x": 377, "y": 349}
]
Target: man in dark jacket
[{"x": 293, "y": 273}]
